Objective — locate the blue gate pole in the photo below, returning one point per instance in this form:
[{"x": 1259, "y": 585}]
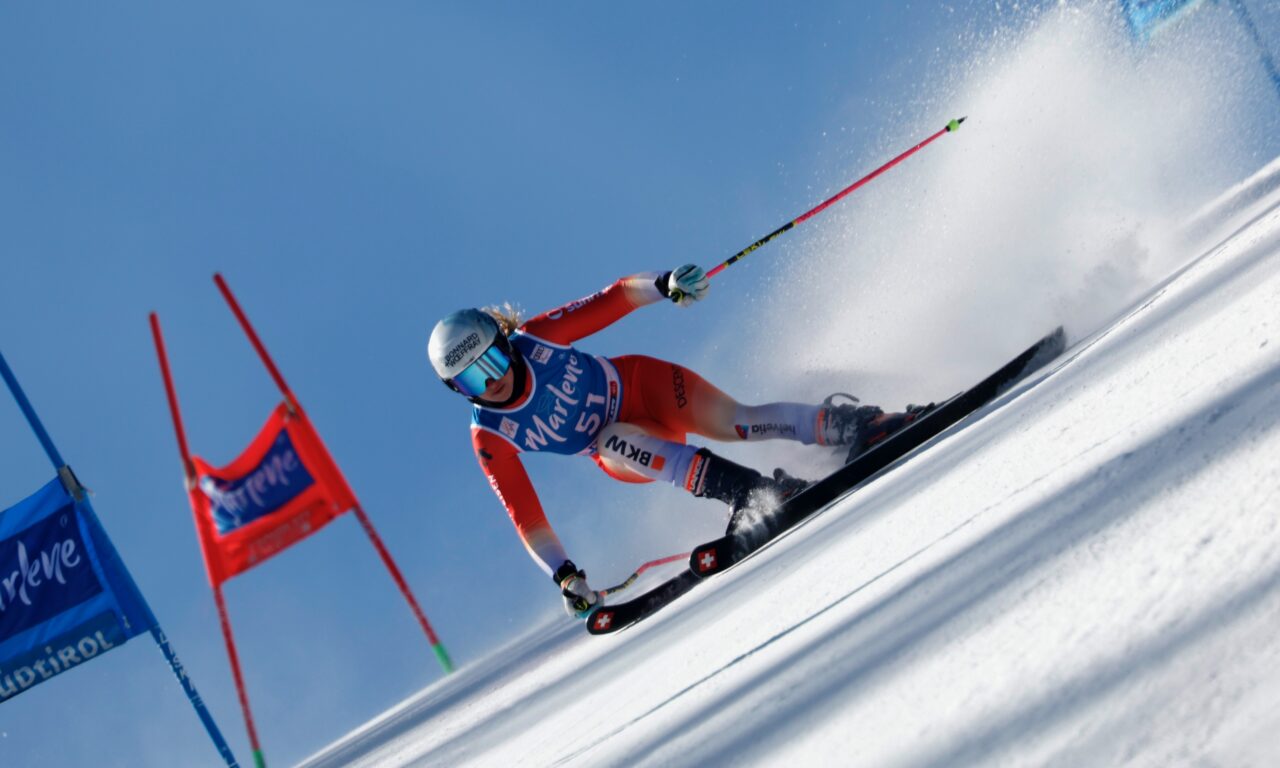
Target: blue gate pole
[
  {"x": 189, "y": 688},
  {"x": 64, "y": 472},
  {"x": 30, "y": 413},
  {"x": 1268, "y": 63}
]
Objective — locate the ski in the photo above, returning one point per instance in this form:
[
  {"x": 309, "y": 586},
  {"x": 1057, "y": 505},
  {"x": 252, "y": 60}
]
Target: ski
[
  {"x": 611, "y": 618},
  {"x": 715, "y": 556},
  {"x": 720, "y": 554}
]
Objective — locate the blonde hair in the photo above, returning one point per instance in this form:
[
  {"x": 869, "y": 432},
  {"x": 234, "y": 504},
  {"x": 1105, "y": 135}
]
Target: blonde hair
[{"x": 508, "y": 316}]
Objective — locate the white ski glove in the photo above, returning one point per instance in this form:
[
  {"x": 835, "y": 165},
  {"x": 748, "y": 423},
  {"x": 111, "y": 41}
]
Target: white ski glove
[
  {"x": 688, "y": 284},
  {"x": 579, "y": 598}
]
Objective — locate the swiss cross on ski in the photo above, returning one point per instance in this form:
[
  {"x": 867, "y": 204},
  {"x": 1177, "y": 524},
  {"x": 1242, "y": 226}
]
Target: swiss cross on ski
[
  {"x": 706, "y": 560},
  {"x": 602, "y": 620}
]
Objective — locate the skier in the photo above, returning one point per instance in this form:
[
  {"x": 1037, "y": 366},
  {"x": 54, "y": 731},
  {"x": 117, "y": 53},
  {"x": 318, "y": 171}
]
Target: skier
[{"x": 532, "y": 391}]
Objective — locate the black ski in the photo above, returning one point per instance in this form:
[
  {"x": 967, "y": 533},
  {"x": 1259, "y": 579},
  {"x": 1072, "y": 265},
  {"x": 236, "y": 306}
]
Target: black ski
[
  {"x": 719, "y": 554},
  {"x": 611, "y": 618}
]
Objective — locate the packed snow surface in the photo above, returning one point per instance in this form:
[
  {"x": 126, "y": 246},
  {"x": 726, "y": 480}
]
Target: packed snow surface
[{"x": 1085, "y": 572}]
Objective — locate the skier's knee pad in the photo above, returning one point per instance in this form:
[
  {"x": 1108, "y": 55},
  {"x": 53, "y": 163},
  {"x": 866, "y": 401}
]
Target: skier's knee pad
[{"x": 628, "y": 452}]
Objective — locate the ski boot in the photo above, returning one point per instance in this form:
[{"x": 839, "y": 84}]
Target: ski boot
[
  {"x": 846, "y": 423},
  {"x": 760, "y": 506},
  {"x": 787, "y": 485},
  {"x": 862, "y": 426},
  {"x": 751, "y": 496},
  {"x": 886, "y": 424}
]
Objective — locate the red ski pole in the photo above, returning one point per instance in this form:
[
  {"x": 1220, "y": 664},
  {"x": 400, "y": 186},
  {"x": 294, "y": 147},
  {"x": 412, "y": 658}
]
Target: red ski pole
[
  {"x": 950, "y": 127},
  {"x": 632, "y": 578}
]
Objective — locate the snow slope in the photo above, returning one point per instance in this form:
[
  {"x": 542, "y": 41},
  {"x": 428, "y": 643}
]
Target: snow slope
[{"x": 1087, "y": 572}]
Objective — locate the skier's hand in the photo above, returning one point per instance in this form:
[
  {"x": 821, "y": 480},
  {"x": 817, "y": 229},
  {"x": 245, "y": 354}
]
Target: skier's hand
[
  {"x": 579, "y": 598},
  {"x": 688, "y": 284}
]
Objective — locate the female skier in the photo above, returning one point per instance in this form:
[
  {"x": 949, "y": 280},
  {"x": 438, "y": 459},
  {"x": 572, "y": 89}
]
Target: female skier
[{"x": 532, "y": 391}]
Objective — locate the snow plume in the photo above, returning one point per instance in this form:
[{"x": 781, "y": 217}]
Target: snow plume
[
  {"x": 1053, "y": 204},
  {"x": 1046, "y": 207}
]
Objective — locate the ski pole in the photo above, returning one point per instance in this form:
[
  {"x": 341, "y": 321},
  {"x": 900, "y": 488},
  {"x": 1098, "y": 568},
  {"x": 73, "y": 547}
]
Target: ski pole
[
  {"x": 632, "y": 578},
  {"x": 950, "y": 127}
]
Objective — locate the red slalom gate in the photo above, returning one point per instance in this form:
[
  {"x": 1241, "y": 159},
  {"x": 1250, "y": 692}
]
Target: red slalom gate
[{"x": 281, "y": 489}]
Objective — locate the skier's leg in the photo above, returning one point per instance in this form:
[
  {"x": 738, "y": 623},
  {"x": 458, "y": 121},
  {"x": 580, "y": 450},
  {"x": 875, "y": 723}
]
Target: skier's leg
[
  {"x": 629, "y": 453},
  {"x": 682, "y": 401},
  {"x": 678, "y": 400}
]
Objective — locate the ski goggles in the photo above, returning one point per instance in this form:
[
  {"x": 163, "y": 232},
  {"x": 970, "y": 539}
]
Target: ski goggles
[{"x": 487, "y": 368}]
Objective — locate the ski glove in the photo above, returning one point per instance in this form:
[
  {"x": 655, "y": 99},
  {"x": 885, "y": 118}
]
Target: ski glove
[
  {"x": 688, "y": 284},
  {"x": 579, "y": 598}
]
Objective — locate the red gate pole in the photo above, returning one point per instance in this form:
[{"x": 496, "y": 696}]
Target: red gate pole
[
  {"x": 243, "y": 693},
  {"x": 188, "y": 471},
  {"x": 289, "y": 399},
  {"x": 436, "y": 646}
]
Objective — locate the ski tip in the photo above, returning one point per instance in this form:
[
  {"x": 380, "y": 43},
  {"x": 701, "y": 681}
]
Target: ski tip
[
  {"x": 1052, "y": 345},
  {"x": 601, "y": 621}
]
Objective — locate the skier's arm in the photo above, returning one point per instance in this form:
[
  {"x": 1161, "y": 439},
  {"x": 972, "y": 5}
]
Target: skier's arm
[
  {"x": 507, "y": 476},
  {"x": 581, "y": 318}
]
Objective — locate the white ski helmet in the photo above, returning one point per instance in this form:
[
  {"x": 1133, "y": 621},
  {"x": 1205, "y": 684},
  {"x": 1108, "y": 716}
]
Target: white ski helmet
[{"x": 466, "y": 349}]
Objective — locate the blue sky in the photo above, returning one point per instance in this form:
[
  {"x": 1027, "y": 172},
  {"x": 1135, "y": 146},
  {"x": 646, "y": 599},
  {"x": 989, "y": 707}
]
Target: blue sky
[{"x": 356, "y": 171}]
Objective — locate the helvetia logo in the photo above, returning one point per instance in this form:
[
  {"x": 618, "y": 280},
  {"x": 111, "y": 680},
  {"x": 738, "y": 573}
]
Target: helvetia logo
[{"x": 761, "y": 430}]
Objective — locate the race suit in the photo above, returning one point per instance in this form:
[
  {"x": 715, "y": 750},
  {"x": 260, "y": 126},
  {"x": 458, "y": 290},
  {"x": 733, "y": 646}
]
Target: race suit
[{"x": 629, "y": 414}]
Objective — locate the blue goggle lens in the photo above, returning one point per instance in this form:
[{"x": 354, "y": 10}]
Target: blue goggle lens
[{"x": 490, "y": 366}]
